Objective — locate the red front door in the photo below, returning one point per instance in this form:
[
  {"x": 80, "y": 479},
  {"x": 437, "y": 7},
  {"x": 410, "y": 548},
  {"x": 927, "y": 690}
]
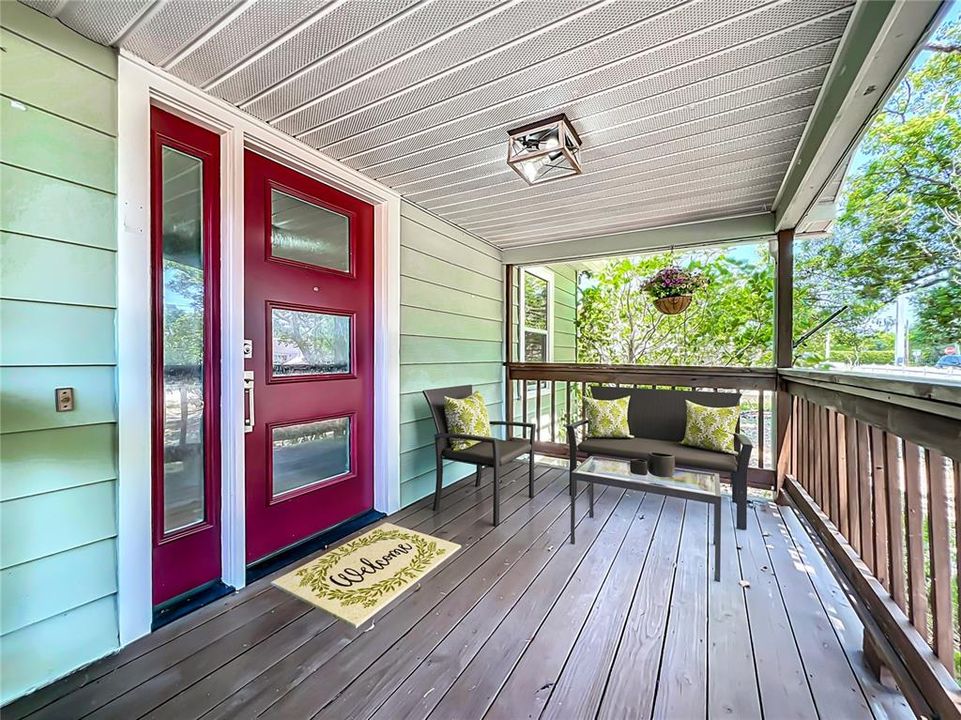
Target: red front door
[
  {"x": 185, "y": 266},
  {"x": 308, "y": 312}
]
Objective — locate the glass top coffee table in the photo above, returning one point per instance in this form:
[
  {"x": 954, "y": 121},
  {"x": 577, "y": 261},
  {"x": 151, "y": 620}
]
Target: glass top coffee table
[{"x": 698, "y": 485}]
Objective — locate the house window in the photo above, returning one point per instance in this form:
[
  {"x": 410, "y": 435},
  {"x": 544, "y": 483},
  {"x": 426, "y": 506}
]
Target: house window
[{"x": 536, "y": 315}]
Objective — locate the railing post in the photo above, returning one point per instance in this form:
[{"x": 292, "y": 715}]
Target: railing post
[{"x": 783, "y": 349}]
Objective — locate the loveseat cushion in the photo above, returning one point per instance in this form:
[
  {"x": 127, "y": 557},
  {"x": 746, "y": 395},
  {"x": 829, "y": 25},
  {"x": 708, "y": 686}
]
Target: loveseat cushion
[{"x": 642, "y": 448}]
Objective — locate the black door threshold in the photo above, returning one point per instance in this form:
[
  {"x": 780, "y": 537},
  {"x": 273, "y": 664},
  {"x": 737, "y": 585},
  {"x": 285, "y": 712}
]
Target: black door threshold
[
  {"x": 279, "y": 560},
  {"x": 177, "y": 607}
]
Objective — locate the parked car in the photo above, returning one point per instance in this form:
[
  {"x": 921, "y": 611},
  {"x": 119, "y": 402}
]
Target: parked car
[{"x": 949, "y": 361}]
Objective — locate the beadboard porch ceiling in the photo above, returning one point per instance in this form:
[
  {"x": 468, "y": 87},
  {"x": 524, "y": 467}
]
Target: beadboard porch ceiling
[{"x": 689, "y": 110}]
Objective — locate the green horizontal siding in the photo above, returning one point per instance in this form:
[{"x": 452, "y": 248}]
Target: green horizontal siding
[
  {"x": 35, "y": 75},
  {"x": 451, "y": 334},
  {"x": 50, "y": 334},
  {"x": 58, "y": 471},
  {"x": 55, "y": 646},
  {"x": 70, "y": 518},
  {"x": 83, "y": 216},
  {"x": 50, "y": 460},
  {"x": 25, "y": 593},
  {"x": 51, "y": 145},
  {"x": 90, "y": 280}
]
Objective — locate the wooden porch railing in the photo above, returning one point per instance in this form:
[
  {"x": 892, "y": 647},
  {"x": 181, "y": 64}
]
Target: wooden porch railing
[
  {"x": 873, "y": 464},
  {"x": 549, "y": 395}
]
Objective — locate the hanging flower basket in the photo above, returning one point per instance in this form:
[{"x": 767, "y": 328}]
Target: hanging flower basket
[
  {"x": 673, "y": 289},
  {"x": 673, "y": 305}
]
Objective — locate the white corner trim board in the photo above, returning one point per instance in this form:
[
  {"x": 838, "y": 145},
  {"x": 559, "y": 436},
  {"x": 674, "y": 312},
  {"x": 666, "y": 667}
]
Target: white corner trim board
[{"x": 139, "y": 86}]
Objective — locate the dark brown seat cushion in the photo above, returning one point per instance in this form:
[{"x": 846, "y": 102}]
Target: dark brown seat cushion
[
  {"x": 641, "y": 448},
  {"x": 483, "y": 453}
]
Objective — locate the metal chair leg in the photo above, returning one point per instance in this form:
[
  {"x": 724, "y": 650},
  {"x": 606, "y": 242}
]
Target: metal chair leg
[
  {"x": 530, "y": 474},
  {"x": 497, "y": 496},
  {"x": 440, "y": 482},
  {"x": 477, "y": 479}
]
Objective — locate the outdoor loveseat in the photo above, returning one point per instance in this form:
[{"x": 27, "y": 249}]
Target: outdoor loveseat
[{"x": 656, "y": 419}]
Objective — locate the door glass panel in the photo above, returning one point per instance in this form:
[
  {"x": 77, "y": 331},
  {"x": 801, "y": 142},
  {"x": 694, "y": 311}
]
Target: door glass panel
[
  {"x": 307, "y": 233},
  {"x": 310, "y": 343},
  {"x": 309, "y": 453},
  {"x": 183, "y": 340}
]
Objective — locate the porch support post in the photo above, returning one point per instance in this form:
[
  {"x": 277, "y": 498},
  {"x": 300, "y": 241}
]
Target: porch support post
[
  {"x": 783, "y": 349},
  {"x": 509, "y": 347}
]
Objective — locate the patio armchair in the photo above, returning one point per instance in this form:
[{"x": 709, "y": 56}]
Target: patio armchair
[
  {"x": 487, "y": 452},
  {"x": 657, "y": 419}
]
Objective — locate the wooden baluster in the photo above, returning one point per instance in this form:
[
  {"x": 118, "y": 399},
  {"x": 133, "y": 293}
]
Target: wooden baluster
[
  {"x": 914, "y": 517},
  {"x": 760, "y": 428},
  {"x": 808, "y": 448},
  {"x": 537, "y": 408},
  {"x": 795, "y": 420},
  {"x": 819, "y": 462},
  {"x": 831, "y": 454},
  {"x": 568, "y": 391},
  {"x": 524, "y": 403},
  {"x": 553, "y": 411},
  {"x": 583, "y": 395},
  {"x": 864, "y": 490},
  {"x": 895, "y": 481},
  {"x": 880, "y": 508},
  {"x": 939, "y": 549},
  {"x": 956, "y": 475},
  {"x": 840, "y": 473},
  {"x": 851, "y": 474}
]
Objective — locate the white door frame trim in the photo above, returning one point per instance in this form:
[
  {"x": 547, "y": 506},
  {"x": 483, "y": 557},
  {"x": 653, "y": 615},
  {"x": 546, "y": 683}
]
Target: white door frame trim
[{"x": 140, "y": 85}]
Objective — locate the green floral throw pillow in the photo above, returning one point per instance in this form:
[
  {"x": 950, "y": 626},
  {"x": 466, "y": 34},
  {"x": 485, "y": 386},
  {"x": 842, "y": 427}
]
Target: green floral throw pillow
[
  {"x": 467, "y": 416},
  {"x": 607, "y": 418},
  {"x": 711, "y": 428}
]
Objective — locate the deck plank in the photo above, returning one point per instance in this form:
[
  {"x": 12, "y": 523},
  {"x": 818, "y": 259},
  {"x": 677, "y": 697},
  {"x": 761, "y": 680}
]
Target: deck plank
[
  {"x": 820, "y": 650},
  {"x": 462, "y": 627},
  {"x": 885, "y": 703},
  {"x": 682, "y": 682},
  {"x": 578, "y": 690},
  {"x": 568, "y": 585},
  {"x": 579, "y": 635},
  {"x": 494, "y": 545},
  {"x": 466, "y": 529},
  {"x": 733, "y": 695},
  {"x": 781, "y": 678},
  {"x": 633, "y": 677}
]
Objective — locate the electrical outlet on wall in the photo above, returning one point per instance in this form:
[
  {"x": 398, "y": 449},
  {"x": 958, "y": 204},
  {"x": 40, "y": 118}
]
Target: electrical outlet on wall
[{"x": 64, "y": 398}]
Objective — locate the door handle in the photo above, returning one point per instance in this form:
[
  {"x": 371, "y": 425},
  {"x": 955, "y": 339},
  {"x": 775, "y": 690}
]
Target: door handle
[{"x": 249, "y": 393}]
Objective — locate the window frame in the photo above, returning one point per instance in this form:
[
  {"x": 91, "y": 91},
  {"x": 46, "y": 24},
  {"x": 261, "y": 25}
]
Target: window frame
[{"x": 547, "y": 276}]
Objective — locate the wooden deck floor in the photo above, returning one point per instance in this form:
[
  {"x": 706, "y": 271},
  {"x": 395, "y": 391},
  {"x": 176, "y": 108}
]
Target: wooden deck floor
[{"x": 522, "y": 624}]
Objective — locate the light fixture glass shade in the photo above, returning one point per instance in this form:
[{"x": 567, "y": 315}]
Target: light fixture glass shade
[{"x": 544, "y": 151}]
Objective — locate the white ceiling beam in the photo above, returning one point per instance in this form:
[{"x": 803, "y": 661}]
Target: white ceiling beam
[
  {"x": 709, "y": 232},
  {"x": 878, "y": 46}
]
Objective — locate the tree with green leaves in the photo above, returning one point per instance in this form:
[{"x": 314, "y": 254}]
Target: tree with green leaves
[
  {"x": 899, "y": 223},
  {"x": 729, "y": 322}
]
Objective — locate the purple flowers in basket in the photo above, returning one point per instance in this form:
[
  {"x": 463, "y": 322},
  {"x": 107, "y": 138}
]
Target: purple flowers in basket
[{"x": 673, "y": 281}]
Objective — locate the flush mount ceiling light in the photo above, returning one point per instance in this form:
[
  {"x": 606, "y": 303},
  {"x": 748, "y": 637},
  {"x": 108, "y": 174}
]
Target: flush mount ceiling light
[{"x": 545, "y": 150}]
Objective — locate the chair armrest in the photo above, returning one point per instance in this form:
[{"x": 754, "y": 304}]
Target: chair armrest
[
  {"x": 572, "y": 441},
  {"x": 511, "y": 423},
  {"x": 744, "y": 449}
]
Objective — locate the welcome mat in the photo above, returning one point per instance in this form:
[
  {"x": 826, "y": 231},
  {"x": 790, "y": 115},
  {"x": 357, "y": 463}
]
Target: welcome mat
[{"x": 354, "y": 581}]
